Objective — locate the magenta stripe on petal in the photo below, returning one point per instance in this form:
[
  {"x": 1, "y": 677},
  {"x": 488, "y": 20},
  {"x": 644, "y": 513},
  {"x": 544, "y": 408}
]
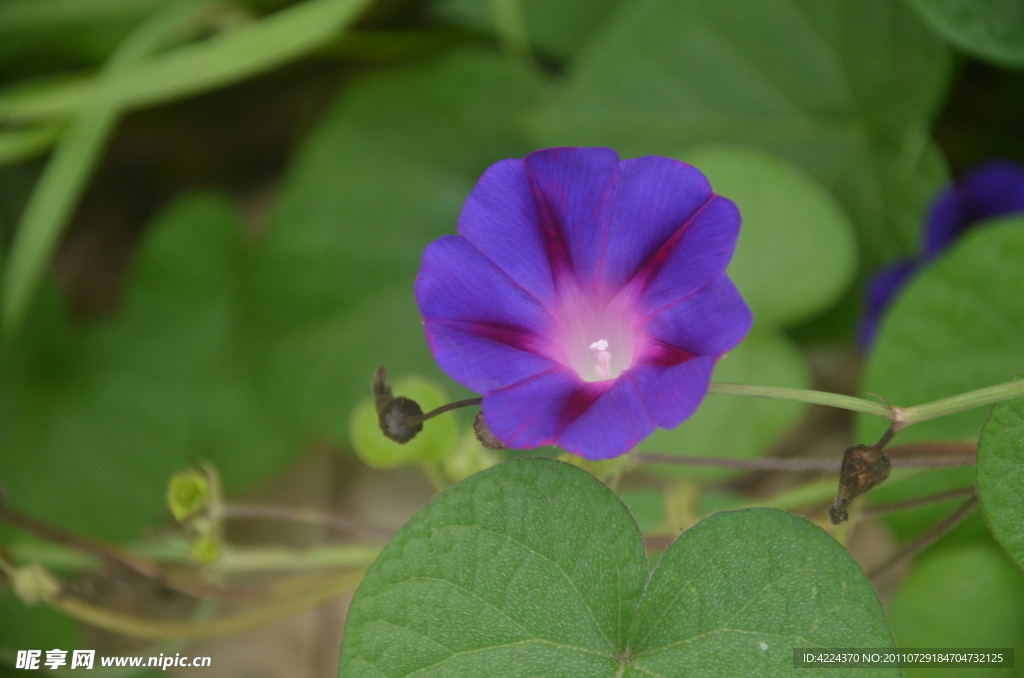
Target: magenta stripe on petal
[
  {"x": 656, "y": 200},
  {"x": 481, "y": 363},
  {"x": 612, "y": 426},
  {"x": 706, "y": 323},
  {"x": 457, "y": 282},
  {"x": 691, "y": 257},
  {"x": 535, "y": 411},
  {"x": 500, "y": 219},
  {"x": 574, "y": 189}
]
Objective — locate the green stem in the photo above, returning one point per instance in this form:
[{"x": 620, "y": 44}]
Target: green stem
[
  {"x": 964, "y": 401},
  {"x": 810, "y": 494},
  {"x": 234, "y": 559},
  {"x": 64, "y": 179},
  {"x": 22, "y": 144},
  {"x": 799, "y": 395},
  {"x": 510, "y": 25},
  {"x": 275, "y": 559},
  {"x": 904, "y": 415},
  {"x": 228, "y": 57}
]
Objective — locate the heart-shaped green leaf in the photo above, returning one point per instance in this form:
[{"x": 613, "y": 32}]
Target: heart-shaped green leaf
[
  {"x": 1001, "y": 475},
  {"x": 534, "y": 568}
]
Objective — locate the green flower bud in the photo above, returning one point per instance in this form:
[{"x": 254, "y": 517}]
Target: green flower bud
[
  {"x": 187, "y": 494},
  {"x": 205, "y": 550}
]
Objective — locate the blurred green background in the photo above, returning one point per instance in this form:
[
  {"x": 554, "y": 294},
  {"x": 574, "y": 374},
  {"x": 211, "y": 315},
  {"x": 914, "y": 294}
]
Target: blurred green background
[{"x": 211, "y": 215}]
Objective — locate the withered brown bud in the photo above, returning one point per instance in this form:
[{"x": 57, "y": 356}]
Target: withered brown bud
[
  {"x": 392, "y": 412},
  {"x": 864, "y": 467},
  {"x": 484, "y": 434}
]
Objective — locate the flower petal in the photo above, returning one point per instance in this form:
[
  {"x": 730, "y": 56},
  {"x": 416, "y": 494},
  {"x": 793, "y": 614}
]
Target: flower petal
[
  {"x": 655, "y": 199},
  {"x": 457, "y": 282},
  {"x": 484, "y": 330},
  {"x": 883, "y": 287},
  {"x": 691, "y": 258},
  {"x": 535, "y": 411},
  {"x": 945, "y": 220},
  {"x": 706, "y": 323},
  {"x": 480, "y": 362},
  {"x": 675, "y": 393},
  {"x": 993, "y": 189},
  {"x": 574, "y": 188},
  {"x": 612, "y": 426},
  {"x": 500, "y": 219}
]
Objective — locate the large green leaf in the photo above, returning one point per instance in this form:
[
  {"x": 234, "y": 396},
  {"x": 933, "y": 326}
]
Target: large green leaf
[
  {"x": 534, "y": 568},
  {"x": 845, "y": 89},
  {"x": 95, "y": 421},
  {"x": 958, "y": 326},
  {"x": 383, "y": 175},
  {"x": 1001, "y": 475},
  {"x": 969, "y": 596},
  {"x": 990, "y": 29}
]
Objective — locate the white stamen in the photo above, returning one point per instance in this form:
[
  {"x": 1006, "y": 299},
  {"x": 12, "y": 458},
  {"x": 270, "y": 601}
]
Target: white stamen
[{"x": 603, "y": 369}]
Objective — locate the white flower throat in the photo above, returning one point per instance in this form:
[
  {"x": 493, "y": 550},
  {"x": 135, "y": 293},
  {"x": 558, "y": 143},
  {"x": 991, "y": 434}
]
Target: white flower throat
[
  {"x": 603, "y": 368},
  {"x": 596, "y": 339}
]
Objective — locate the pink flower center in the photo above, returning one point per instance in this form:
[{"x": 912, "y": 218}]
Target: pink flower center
[{"x": 597, "y": 340}]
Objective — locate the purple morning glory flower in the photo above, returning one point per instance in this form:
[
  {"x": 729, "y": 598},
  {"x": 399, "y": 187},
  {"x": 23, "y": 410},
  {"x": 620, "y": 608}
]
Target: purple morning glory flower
[
  {"x": 585, "y": 297},
  {"x": 992, "y": 190}
]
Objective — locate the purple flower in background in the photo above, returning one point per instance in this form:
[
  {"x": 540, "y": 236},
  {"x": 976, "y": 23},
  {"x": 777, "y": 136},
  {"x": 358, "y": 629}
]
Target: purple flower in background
[
  {"x": 992, "y": 190},
  {"x": 584, "y": 297}
]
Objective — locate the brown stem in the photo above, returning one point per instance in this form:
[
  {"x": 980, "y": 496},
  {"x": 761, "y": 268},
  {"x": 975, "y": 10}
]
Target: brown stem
[
  {"x": 96, "y": 547},
  {"x": 469, "y": 402},
  {"x": 880, "y": 510},
  {"x": 743, "y": 464},
  {"x": 938, "y": 449},
  {"x": 833, "y": 465},
  {"x": 111, "y": 553},
  {"x": 658, "y": 542},
  {"x": 928, "y": 538},
  {"x": 302, "y": 515},
  {"x": 149, "y": 629}
]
